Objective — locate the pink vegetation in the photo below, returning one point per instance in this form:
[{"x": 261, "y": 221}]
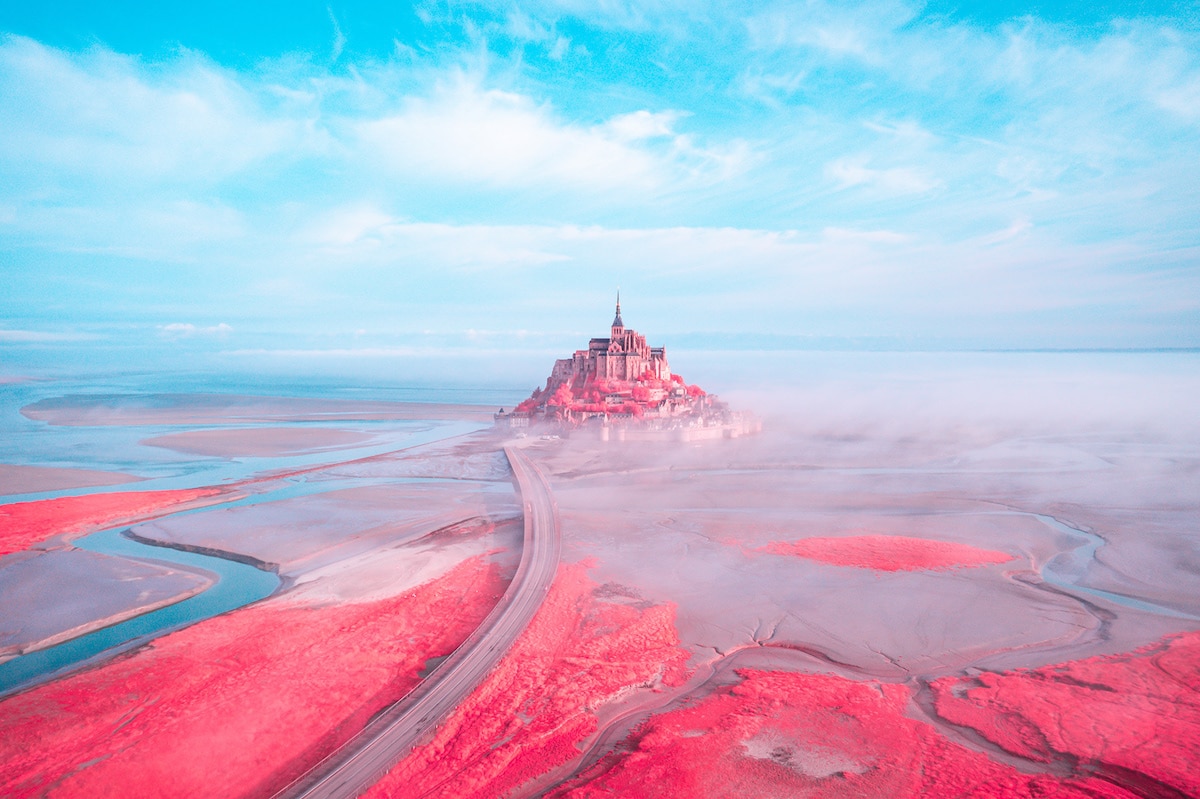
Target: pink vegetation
[
  {"x": 785, "y": 734},
  {"x": 527, "y": 718},
  {"x": 888, "y": 552},
  {"x": 237, "y": 705},
  {"x": 1135, "y": 718},
  {"x": 601, "y": 395},
  {"x": 25, "y": 523}
]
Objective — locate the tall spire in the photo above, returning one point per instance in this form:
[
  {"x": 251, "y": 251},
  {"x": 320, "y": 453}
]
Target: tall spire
[{"x": 617, "y": 323}]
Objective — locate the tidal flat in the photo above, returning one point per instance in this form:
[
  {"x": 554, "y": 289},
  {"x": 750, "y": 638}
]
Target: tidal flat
[{"x": 914, "y": 582}]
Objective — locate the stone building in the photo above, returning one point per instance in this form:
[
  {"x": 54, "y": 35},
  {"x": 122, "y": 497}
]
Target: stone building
[
  {"x": 621, "y": 383},
  {"x": 624, "y": 355}
]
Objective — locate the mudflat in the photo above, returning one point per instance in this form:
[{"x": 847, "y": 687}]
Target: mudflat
[
  {"x": 258, "y": 442},
  {"x": 90, "y": 590},
  {"x": 768, "y": 541},
  {"x": 15, "y": 479},
  {"x": 305, "y": 533}
]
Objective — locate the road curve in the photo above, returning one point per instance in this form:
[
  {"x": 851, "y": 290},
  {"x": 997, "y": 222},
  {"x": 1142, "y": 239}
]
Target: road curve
[{"x": 363, "y": 760}]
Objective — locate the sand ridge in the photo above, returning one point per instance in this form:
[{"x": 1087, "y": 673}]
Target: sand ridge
[
  {"x": 258, "y": 442},
  {"x": 18, "y": 479},
  {"x": 93, "y": 591}
]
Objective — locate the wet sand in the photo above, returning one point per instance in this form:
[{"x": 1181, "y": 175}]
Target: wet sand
[
  {"x": 90, "y": 591},
  {"x": 695, "y": 526},
  {"x": 293, "y": 536},
  {"x": 32, "y": 479},
  {"x": 258, "y": 442}
]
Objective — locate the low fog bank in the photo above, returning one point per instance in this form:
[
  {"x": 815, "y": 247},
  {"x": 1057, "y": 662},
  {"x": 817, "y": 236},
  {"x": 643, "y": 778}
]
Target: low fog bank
[
  {"x": 1082, "y": 468},
  {"x": 822, "y": 393},
  {"x": 959, "y": 395}
]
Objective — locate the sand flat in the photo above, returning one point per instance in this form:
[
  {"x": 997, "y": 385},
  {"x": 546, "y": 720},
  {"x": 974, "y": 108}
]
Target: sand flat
[
  {"x": 305, "y": 533},
  {"x": 693, "y": 525},
  {"x": 91, "y": 590},
  {"x": 18, "y": 479},
  {"x": 258, "y": 442}
]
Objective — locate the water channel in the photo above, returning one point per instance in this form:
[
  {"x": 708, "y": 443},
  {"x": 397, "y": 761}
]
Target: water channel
[
  {"x": 237, "y": 584},
  {"x": 1068, "y": 569}
]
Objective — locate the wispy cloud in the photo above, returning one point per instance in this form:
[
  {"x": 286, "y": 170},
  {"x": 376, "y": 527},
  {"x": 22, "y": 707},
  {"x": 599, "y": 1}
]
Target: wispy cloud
[
  {"x": 810, "y": 169},
  {"x": 853, "y": 172},
  {"x": 339, "y": 38},
  {"x": 176, "y": 330},
  {"x": 466, "y": 133},
  {"x": 43, "y": 336},
  {"x": 101, "y": 117}
]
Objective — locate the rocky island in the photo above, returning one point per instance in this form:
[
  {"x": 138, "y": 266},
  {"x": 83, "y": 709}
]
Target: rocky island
[{"x": 620, "y": 387}]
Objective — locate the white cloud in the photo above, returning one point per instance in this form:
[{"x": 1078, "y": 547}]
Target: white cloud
[
  {"x": 475, "y": 135},
  {"x": 168, "y": 230},
  {"x": 865, "y": 236},
  {"x": 857, "y": 30},
  {"x": 773, "y": 277},
  {"x": 109, "y": 117},
  {"x": 337, "y": 353},
  {"x": 897, "y": 163},
  {"x": 621, "y": 14},
  {"x": 501, "y": 138},
  {"x": 42, "y": 336},
  {"x": 853, "y": 172},
  {"x": 1180, "y": 96},
  {"x": 187, "y": 330},
  {"x": 643, "y": 124},
  {"x": 347, "y": 226},
  {"x": 339, "y": 38},
  {"x": 367, "y": 233}
]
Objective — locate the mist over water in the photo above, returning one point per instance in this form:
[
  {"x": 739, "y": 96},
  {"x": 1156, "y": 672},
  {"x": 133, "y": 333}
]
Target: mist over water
[{"x": 965, "y": 393}]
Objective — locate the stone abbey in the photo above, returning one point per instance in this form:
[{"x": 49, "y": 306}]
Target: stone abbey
[
  {"x": 624, "y": 355},
  {"x": 623, "y": 383}
]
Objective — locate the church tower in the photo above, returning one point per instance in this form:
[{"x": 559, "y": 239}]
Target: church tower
[{"x": 618, "y": 327}]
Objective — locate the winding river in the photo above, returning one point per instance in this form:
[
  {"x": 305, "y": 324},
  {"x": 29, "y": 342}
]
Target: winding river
[
  {"x": 238, "y": 584},
  {"x": 1067, "y": 570}
]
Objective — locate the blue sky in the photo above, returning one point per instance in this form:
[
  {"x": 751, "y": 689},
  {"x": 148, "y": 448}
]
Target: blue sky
[{"x": 257, "y": 186}]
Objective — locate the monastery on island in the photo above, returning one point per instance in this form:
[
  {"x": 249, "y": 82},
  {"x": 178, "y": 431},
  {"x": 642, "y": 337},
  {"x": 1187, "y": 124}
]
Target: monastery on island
[
  {"x": 621, "y": 383},
  {"x": 624, "y": 355}
]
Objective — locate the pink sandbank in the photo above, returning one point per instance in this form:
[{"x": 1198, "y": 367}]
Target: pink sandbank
[
  {"x": 889, "y": 552},
  {"x": 23, "y": 524}
]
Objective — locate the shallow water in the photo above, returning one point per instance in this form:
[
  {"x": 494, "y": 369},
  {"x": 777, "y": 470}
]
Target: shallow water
[
  {"x": 1067, "y": 570},
  {"x": 25, "y": 441},
  {"x": 238, "y": 584}
]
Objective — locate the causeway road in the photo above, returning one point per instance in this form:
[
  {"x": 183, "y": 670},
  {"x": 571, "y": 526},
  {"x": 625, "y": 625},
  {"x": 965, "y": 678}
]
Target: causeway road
[{"x": 359, "y": 763}]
